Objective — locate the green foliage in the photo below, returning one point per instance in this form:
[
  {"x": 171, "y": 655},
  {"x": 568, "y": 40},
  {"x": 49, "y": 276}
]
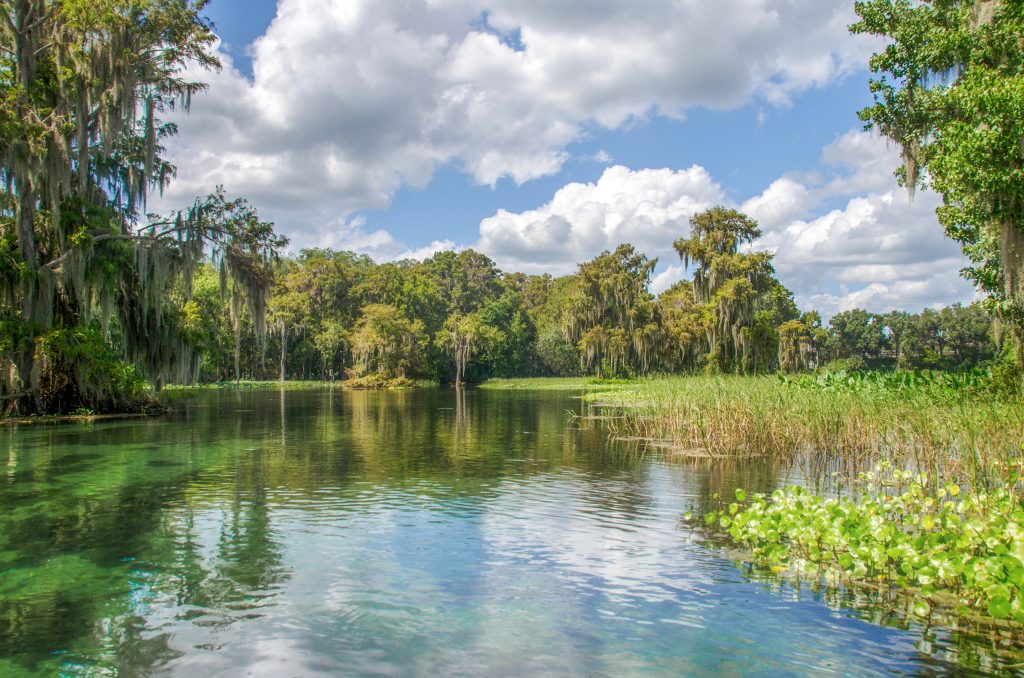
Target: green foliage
[
  {"x": 976, "y": 383},
  {"x": 611, "y": 317},
  {"x": 81, "y": 146},
  {"x": 517, "y": 324},
  {"x": 945, "y": 546},
  {"x": 950, "y": 92},
  {"x": 556, "y": 354},
  {"x": 956, "y": 337},
  {"x": 79, "y": 371},
  {"x": 380, "y": 381},
  {"x": 731, "y": 323},
  {"x": 386, "y": 341},
  {"x": 464, "y": 334}
]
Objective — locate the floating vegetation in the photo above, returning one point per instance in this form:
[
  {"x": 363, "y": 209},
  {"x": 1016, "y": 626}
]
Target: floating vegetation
[{"x": 954, "y": 550}]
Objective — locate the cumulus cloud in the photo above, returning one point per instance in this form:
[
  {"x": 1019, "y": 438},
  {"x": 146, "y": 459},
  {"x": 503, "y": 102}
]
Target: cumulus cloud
[
  {"x": 350, "y": 100},
  {"x": 880, "y": 250},
  {"x": 648, "y": 208},
  {"x": 379, "y": 244}
]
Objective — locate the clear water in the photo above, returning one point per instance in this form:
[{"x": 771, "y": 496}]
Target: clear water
[{"x": 319, "y": 532}]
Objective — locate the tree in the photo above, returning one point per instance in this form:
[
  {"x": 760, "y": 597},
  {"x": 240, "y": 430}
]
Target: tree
[
  {"x": 897, "y": 324},
  {"x": 610, "y": 315},
  {"x": 857, "y": 334},
  {"x": 464, "y": 334},
  {"x": 968, "y": 332},
  {"x": 950, "y": 93},
  {"x": 330, "y": 339},
  {"x": 465, "y": 280},
  {"x": 82, "y": 88},
  {"x": 684, "y": 320},
  {"x": 796, "y": 346},
  {"x": 386, "y": 341},
  {"x": 728, "y": 282}
]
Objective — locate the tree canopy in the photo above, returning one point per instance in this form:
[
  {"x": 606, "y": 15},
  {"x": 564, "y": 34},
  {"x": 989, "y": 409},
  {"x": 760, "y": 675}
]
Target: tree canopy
[
  {"x": 950, "y": 91},
  {"x": 83, "y": 86}
]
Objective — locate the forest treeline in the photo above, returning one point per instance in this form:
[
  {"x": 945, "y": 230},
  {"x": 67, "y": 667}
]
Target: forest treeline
[
  {"x": 456, "y": 317},
  {"x": 97, "y": 297}
]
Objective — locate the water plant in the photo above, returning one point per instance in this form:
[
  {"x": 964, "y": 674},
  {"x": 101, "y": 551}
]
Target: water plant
[
  {"x": 948, "y": 426},
  {"x": 952, "y": 548}
]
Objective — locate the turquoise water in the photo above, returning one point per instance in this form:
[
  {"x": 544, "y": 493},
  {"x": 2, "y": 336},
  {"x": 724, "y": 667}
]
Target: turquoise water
[{"x": 321, "y": 533}]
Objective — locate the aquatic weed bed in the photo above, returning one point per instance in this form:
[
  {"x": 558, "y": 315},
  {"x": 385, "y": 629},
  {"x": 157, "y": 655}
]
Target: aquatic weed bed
[{"x": 959, "y": 551}]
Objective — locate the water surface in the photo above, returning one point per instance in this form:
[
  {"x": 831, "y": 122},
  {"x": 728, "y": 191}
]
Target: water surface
[{"x": 320, "y": 532}]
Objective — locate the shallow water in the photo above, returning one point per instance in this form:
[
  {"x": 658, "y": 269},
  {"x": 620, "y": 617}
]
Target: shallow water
[{"x": 319, "y": 532}]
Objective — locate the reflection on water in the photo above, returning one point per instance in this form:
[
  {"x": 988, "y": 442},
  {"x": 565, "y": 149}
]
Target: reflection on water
[{"x": 323, "y": 532}]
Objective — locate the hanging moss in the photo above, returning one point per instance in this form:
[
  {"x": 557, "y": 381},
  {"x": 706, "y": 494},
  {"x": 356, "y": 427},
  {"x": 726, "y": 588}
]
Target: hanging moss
[{"x": 80, "y": 149}]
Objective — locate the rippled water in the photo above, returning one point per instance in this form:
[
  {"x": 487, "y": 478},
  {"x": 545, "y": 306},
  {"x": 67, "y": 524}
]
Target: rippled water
[{"x": 323, "y": 532}]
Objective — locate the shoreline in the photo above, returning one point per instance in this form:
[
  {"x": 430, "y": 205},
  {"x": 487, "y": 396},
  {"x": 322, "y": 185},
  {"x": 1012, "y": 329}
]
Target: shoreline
[{"x": 73, "y": 418}]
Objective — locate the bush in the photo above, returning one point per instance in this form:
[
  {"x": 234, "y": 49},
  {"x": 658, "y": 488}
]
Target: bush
[
  {"x": 854, "y": 364},
  {"x": 79, "y": 371},
  {"x": 558, "y": 357},
  {"x": 377, "y": 380}
]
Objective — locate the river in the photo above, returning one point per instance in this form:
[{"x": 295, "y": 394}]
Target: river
[{"x": 321, "y": 532}]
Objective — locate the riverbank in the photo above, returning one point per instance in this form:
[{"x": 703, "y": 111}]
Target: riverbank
[
  {"x": 365, "y": 383},
  {"x": 73, "y": 418},
  {"x": 912, "y": 481}
]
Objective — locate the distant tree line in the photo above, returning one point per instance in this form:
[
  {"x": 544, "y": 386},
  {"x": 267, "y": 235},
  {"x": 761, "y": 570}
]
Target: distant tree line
[{"x": 455, "y": 318}]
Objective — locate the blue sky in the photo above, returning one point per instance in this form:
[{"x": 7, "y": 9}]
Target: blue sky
[{"x": 541, "y": 133}]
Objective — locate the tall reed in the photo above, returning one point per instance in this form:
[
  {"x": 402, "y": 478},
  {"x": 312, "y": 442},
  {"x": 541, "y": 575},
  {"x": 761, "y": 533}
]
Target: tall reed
[{"x": 947, "y": 431}]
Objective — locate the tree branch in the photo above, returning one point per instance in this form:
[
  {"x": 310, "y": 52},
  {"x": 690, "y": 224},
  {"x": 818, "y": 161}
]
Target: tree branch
[{"x": 154, "y": 237}]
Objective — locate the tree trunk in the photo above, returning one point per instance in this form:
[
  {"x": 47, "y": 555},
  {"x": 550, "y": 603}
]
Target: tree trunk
[
  {"x": 25, "y": 376},
  {"x": 1012, "y": 251},
  {"x": 1012, "y": 254},
  {"x": 284, "y": 340}
]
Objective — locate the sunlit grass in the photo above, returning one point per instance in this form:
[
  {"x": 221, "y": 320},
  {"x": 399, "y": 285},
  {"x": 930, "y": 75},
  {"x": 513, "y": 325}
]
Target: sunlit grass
[
  {"x": 947, "y": 432},
  {"x": 557, "y": 384}
]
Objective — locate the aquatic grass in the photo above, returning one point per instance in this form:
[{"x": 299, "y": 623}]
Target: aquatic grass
[
  {"x": 557, "y": 384},
  {"x": 958, "y": 549},
  {"x": 947, "y": 432}
]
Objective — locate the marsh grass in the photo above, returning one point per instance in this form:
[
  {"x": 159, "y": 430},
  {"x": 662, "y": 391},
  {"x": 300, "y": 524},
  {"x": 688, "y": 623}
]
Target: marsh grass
[
  {"x": 557, "y": 384},
  {"x": 948, "y": 432}
]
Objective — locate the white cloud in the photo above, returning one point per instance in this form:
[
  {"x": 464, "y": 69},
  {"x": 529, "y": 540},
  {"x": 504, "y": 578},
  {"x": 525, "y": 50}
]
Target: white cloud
[
  {"x": 352, "y": 235},
  {"x": 647, "y": 208},
  {"x": 352, "y": 99},
  {"x": 879, "y": 250},
  {"x": 784, "y": 200},
  {"x": 667, "y": 278}
]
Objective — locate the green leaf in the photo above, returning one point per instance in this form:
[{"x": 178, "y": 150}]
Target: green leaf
[{"x": 999, "y": 608}]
